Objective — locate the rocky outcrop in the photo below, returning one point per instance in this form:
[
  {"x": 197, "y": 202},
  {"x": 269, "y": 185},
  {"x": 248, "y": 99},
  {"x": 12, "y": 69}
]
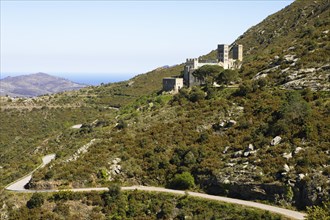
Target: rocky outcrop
[
  {"x": 247, "y": 191},
  {"x": 81, "y": 151},
  {"x": 311, "y": 191},
  {"x": 115, "y": 169}
]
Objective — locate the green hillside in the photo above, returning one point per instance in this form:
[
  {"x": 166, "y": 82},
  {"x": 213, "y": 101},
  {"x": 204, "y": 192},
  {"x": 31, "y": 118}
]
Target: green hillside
[
  {"x": 291, "y": 47},
  {"x": 266, "y": 139}
]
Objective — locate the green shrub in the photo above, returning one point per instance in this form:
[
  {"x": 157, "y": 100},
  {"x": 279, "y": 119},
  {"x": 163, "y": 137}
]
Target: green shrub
[
  {"x": 319, "y": 212},
  {"x": 36, "y": 201},
  {"x": 182, "y": 181}
]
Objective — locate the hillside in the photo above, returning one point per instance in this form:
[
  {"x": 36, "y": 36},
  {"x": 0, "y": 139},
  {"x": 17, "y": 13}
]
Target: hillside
[
  {"x": 35, "y": 85},
  {"x": 266, "y": 140},
  {"x": 291, "y": 48}
]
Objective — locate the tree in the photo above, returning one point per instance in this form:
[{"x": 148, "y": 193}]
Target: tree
[
  {"x": 112, "y": 195},
  {"x": 196, "y": 94},
  {"x": 182, "y": 181},
  {"x": 36, "y": 201},
  {"x": 208, "y": 73},
  {"x": 227, "y": 76},
  {"x": 244, "y": 88}
]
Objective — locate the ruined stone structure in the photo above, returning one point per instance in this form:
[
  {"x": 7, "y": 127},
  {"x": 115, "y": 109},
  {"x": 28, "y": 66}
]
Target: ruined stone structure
[
  {"x": 172, "y": 84},
  {"x": 223, "y": 60}
]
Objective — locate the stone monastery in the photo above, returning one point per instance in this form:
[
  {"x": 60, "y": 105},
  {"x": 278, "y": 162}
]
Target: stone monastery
[{"x": 229, "y": 57}]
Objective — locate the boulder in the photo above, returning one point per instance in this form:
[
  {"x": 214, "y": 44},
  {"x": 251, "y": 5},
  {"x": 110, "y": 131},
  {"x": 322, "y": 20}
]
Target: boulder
[
  {"x": 287, "y": 155},
  {"x": 276, "y": 141},
  {"x": 230, "y": 164},
  {"x": 289, "y": 57},
  {"x": 238, "y": 153},
  {"x": 246, "y": 153},
  {"x": 286, "y": 168},
  {"x": 116, "y": 160},
  {"x": 231, "y": 123},
  {"x": 226, "y": 149},
  {"x": 301, "y": 176},
  {"x": 297, "y": 150}
]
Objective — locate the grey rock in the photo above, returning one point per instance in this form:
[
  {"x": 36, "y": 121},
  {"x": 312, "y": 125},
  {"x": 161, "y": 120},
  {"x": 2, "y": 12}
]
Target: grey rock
[
  {"x": 226, "y": 181},
  {"x": 250, "y": 147},
  {"x": 297, "y": 150},
  {"x": 301, "y": 176},
  {"x": 276, "y": 141},
  {"x": 287, "y": 155},
  {"x": 289, "y": 57},
  {"x": 231, "y": 123},
  {"x": 230, "y": 164},
  {"x": 238, "y": 153},
  {"x": 116, "y": 160},
  {"x": 246, "y": 153},
  {"x": 226, "y": 149}
]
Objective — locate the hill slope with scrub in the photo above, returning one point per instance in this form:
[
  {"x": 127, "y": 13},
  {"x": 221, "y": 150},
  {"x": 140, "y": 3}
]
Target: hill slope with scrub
[{"x": 267, "y": 139}]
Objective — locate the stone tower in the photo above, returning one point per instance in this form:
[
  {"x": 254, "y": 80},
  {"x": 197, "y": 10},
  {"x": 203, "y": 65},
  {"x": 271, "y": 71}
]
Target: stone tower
[
  {"x": 238, "y": 52},
  {"x": 223, "y": 53}
]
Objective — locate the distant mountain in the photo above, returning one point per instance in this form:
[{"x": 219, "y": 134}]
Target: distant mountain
[{"x": 35, "y": 85}]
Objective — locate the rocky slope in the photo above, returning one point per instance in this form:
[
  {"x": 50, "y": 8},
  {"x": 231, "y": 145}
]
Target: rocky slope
[
  {"x": 35, "y": 85},
  {"x": 291, "y": 47}
]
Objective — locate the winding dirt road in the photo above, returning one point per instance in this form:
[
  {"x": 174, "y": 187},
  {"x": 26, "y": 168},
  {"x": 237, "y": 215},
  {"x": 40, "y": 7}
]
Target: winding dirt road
[{"x": 18, "y": 186}]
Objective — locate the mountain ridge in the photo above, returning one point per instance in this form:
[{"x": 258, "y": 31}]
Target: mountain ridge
[{"x": 36, "y": 84}]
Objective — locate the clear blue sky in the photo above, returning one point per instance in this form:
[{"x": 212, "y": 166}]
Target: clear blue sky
[{"x": 119, "y": 37}]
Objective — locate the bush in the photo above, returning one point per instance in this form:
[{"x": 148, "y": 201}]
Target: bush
[
  {"x": 36, "y": 201},
  {"x": 112, "y": 195},
  {"x": 227, "y": 76},
  {"x": 182, "y": 181},
  {"x": 244, "y": 89},
  {"x": 317, "y": 212},
  {"x": 121, "y": 124},
  {"x": 196, "y": 94}
]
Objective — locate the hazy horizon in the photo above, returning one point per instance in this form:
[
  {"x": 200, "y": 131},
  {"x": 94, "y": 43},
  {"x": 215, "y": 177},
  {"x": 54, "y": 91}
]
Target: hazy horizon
[{"x": 83, "y": 78}]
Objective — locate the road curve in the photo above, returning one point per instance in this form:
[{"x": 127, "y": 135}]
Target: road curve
[{"x": 18, "y": 186}]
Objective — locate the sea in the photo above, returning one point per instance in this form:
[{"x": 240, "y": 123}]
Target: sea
[{"x": 92, "y": 79}]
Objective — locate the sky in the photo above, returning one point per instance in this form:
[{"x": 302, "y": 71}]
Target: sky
[{"x": 118, "y": 39}]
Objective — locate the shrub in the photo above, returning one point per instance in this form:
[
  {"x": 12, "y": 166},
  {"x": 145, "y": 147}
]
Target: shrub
[
  {"x": 121, "y": 124},
  {"x": 317, "y": 212},
  {"x": 36, "y": 201},
  {"x": 182, "y": 181},
  {"x": 196, "y": 94}
]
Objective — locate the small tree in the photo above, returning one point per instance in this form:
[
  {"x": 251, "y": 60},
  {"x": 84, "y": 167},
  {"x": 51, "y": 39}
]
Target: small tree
[
  {"x": 227, "y": 76},
  {"x": 182, "y": 181},
  {"x": 208, "y": 73},
  {"x": 112, "y": 195},
  {"x": 196, "y": 94},
  {"x": 36, "y": 201}
]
